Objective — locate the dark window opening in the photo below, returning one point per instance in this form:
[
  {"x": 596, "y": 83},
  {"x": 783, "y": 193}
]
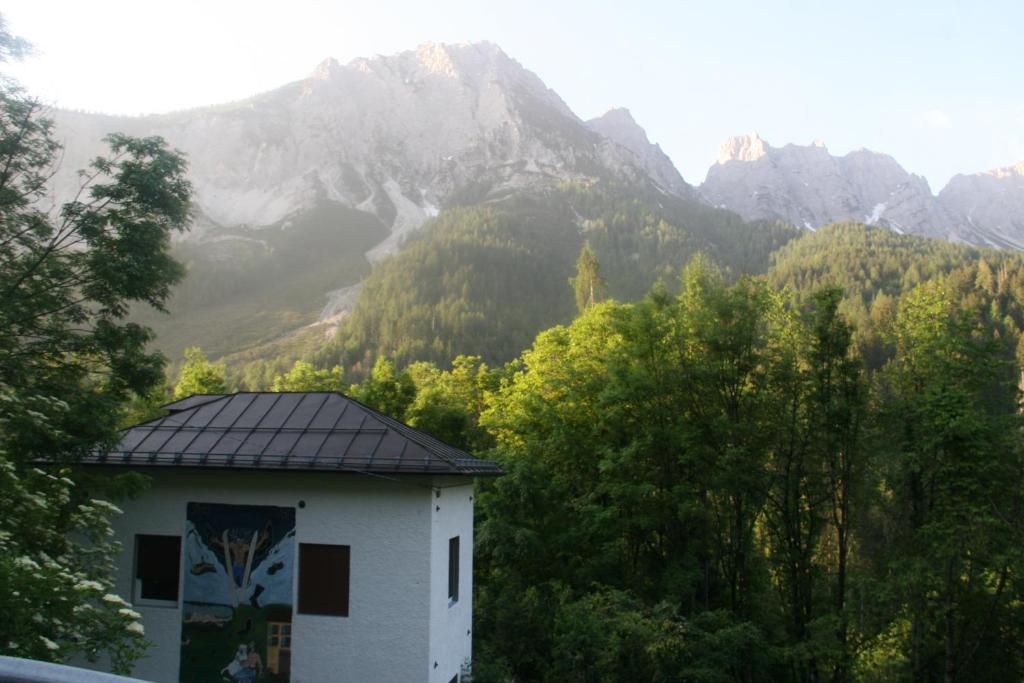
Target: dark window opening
[
  {"x": 157, "y": 564},
  {"x": 455, "y": 679},
  {"x": 323, "y": 579},
  {"x": 453, "y": 570}
]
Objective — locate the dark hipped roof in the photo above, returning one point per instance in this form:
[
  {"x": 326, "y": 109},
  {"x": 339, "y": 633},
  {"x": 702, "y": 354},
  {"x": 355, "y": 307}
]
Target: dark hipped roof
[{"x": 287, "y": 431}]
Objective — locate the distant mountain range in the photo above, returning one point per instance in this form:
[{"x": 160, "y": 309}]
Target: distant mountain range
[
  {"x": 399, "y": 136},
  {"x": 808, "y": 187},
  {"x": 300, "y": 189}
]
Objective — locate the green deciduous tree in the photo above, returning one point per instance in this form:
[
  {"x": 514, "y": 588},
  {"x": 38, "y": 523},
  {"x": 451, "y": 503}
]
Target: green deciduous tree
[
  {"x": 448, "y": 403},
  {"x": 387, "y": 390},
  {"x": 952, "y": 474},
  {"x": 69, "y": 361},
  {"x": 304, "y": 377},
  {"x": 199, "y": 376}
]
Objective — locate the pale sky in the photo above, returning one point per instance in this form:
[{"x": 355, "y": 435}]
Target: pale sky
[{"x": 936, "y": 84}]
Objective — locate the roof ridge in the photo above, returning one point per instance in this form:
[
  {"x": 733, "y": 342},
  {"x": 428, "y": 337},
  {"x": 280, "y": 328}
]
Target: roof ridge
[{"x": 280, "y": 434}]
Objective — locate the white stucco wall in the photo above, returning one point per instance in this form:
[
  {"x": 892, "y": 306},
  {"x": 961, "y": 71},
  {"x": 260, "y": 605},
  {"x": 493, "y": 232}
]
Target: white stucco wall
[
  {"x": 451, "y": 625},
  {"x": 396, "y": 626}
]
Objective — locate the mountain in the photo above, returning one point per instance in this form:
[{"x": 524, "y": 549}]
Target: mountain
[
  {"x": 436, "y": 200},
  {"x": 394, "y": 136},
  {"x": 808, "y": 187},
  {"x": 991, "y": 204},
  {"x": 298, "y": 190},
  {"x": 619, "y": 126}
]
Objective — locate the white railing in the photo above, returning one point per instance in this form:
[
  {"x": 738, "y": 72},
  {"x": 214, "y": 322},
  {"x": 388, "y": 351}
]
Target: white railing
[{"x": 17, "y": 670}]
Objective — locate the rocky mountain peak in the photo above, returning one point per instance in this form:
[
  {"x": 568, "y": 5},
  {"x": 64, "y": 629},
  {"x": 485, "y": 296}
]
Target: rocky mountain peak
[
  {"x": 990, "y": 205},
  {"x": 1008, "y": 171},
  {"x": 619, "y": 126},
  {"x": 436, "y": 59},
  {"x": 809, "y": 187},
  {"x": 391, "y": 135},
  {"x": 325, "y": 69},
  {"x": 743, "y": 148}
]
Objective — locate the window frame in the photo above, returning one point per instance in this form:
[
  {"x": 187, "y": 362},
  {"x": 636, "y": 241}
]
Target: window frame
[
  {"x": 303, "y": 600},
  {"x": 454, "y": 578},
  {"x": 137, "y": 597}
]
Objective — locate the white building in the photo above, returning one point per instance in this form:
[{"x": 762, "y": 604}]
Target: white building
[{"x": 298, "y": 537}]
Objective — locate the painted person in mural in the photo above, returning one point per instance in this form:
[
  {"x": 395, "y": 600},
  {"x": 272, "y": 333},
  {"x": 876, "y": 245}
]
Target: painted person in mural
[
  {"x": 245, "y": 667},
  {"x": 239, "y": 564},
  {"x": 240, "y": 550}
]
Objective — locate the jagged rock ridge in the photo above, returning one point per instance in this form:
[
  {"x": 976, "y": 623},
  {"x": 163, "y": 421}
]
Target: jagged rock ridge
[
  {"x": 990, "y": 204},
  {"x": 396, "y": 136},
  {"x": 807, "y": 186},
  {"x": 619, "y": 126}
]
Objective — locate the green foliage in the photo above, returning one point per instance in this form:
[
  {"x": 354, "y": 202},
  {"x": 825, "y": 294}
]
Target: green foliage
[
  {"x": 712, "y": 486},
  {"x": 69, "y": 363},
  {"x": 145, "y": 407},
  {"x": 874, "y": 267},
  {"x": 484, "y": 279},
  {"x": 448, "y": 403},
  {"x": 588, "y": 285},
  {"x": 386, "y": 390},
  {"x": 806, "y": 476},
  {"x": 950, "y": 414},
  {"x": 56, "y": 564},
  {"x": 199, "y": 376},
  {"x": 304, "y": 377}
]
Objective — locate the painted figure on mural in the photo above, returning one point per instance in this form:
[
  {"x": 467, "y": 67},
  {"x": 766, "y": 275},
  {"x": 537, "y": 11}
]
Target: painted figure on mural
[
  {"x": 246, "y": 665},
  {"x": 242, "y": 550}
]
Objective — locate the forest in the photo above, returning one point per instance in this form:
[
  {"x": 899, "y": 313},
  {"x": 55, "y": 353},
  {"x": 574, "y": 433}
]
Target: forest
[{"x": 813, "y": 475}]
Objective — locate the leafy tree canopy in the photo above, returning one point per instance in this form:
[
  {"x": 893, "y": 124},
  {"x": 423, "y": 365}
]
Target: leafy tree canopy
[
  {"x": 200, "y": 376},
  {"x": 69, "y": 361}
]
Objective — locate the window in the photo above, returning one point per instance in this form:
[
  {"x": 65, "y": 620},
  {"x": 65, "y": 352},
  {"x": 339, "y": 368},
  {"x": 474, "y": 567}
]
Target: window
[
  {"x": 453, "y": 571},
  {"x": 323, "y": 579},
  {"x": 157, "y": 565},
  {"x": 455, "y": 679}
]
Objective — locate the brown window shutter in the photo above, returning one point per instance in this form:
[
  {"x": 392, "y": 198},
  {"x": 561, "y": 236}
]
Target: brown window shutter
[{"x": 324, "y": 579}]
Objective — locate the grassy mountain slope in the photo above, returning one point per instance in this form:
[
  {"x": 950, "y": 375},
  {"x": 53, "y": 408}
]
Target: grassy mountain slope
[{"x": 248, "y": 287}]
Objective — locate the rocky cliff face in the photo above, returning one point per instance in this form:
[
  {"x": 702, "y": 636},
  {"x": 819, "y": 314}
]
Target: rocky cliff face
[
  {"x": 990, "y": 205},
  {"x": 619, "y": 126},
  {"x": 808, "y": 187},
  {"x": 400, "y": 136},
  {"x": 395, "y": 136}
]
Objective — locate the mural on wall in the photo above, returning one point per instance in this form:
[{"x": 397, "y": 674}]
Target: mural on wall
[{"x": 237, "y": 595}]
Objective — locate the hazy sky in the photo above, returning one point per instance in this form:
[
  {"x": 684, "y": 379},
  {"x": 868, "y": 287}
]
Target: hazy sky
[{"x": 938, "y": 85}]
